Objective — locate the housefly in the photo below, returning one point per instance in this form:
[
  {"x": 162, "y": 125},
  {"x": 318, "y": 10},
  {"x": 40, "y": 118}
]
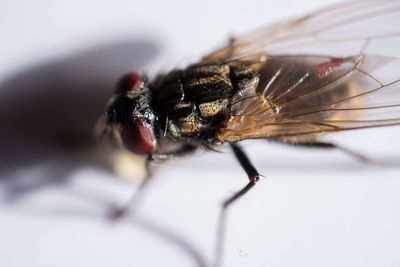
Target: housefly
[{"x": 295, "y": 81}]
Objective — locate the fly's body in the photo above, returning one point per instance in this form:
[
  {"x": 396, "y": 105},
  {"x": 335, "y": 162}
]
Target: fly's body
[
  {"x": 333, "y": 70},
  {"x": 295, "y": 82}
]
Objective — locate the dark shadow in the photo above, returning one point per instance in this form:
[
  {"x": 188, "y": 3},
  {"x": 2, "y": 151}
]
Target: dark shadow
[
  {"x": 47, "y": 114},
  {"x": 49, "y": 110}
]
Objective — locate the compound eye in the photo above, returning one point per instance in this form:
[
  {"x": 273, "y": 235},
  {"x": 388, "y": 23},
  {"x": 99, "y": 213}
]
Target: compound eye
[
  {"x": 128, "y": 82},
  {"x": 137, "y": 138}
]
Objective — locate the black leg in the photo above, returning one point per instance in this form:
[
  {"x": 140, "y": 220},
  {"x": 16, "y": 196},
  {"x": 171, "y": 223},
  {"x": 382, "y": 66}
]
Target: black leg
[
  {"x": 253, "y": 176},
  {"x": 327, "y": 145},
  {"x": 178, "y": 153},
  {"x": 231, "y": 47},
  {"x": 250, "y": 171},
  {"x": 136, "y": 197}
]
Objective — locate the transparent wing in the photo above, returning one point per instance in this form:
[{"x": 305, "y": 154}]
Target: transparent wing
[
  {"x": 341, "y": 31},
  {"x": 335, "y": 69},
  {"x": 299, "y": 97}
]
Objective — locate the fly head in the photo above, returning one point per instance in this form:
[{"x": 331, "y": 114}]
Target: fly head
[{"x": 130, "y": 114}]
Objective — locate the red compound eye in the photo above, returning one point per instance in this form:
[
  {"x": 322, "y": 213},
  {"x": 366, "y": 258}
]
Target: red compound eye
[
  {"x": 137, "y": 138},
  {"x": 128, "y": 82}
]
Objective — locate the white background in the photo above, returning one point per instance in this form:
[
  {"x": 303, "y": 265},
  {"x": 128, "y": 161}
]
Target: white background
[{"x": 59, "y": 61}]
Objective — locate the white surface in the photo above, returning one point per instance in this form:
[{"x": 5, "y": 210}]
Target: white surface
[{"x": 313, "y": 208}]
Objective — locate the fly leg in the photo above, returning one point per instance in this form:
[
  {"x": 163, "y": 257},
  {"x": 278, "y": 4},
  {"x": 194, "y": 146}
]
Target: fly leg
[
  {"x": 231, "y": 47},
  {"x": 176, "y": 154},
  {"x": 349, "y": 152},
  {"x": 134, "y": 200},
  {"x": 253, "y": 176},
  {"x": 251, "y": 172},
  {"x": 136, "y": 197}
]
